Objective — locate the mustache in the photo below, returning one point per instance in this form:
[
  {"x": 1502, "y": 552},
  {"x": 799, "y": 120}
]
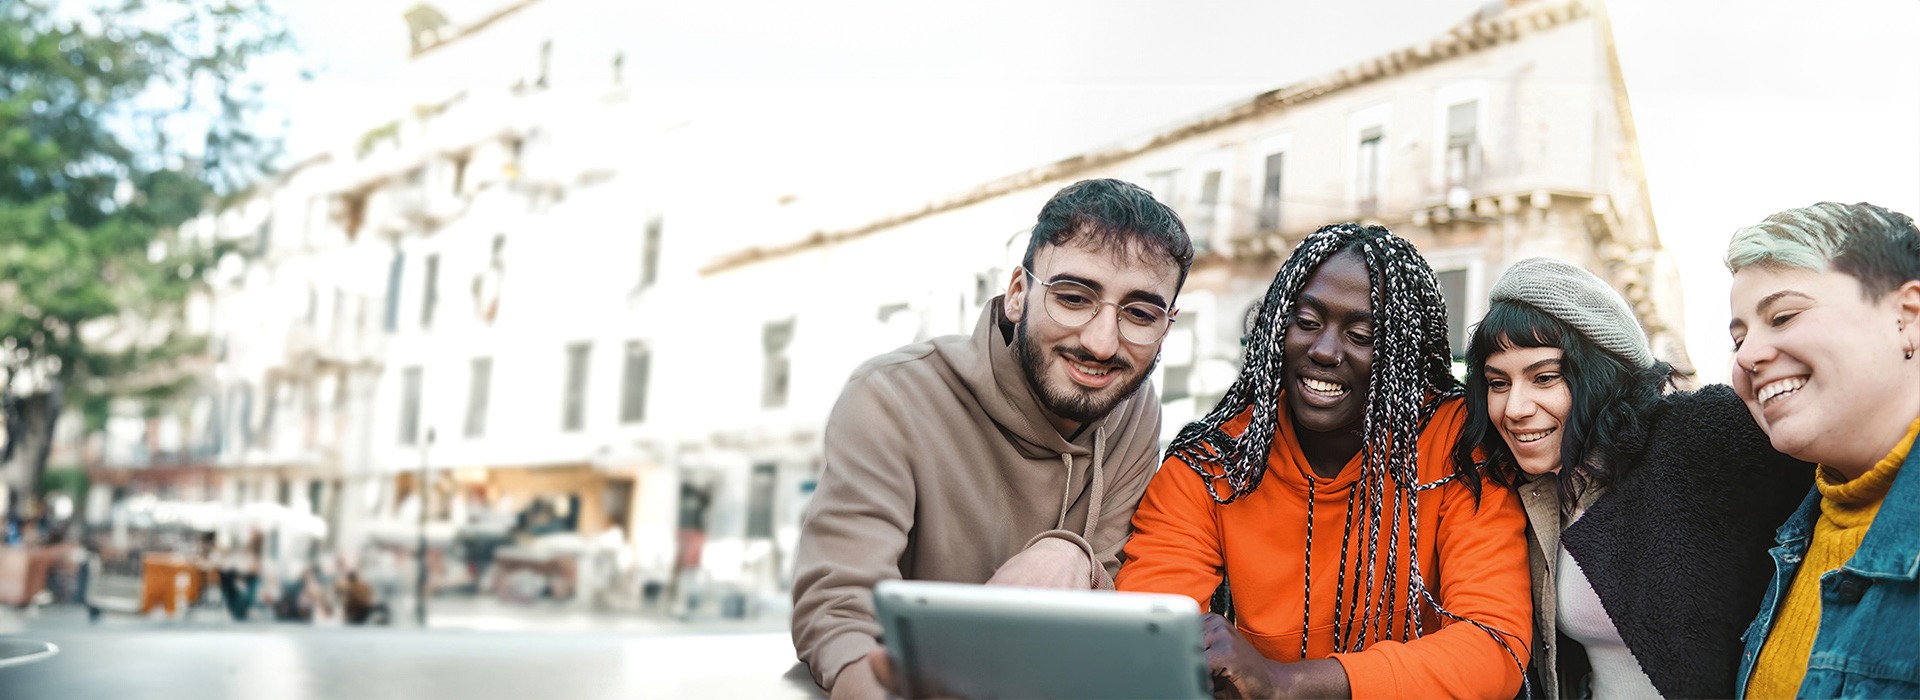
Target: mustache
[{"x": 1081, "y": 355}]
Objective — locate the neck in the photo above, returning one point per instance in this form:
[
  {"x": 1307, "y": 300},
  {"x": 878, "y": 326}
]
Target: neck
[
  {"x": 1329, "y": 452},
  {"x": 1885, "y": 439},
  {"x": 1069, "y": 429}
]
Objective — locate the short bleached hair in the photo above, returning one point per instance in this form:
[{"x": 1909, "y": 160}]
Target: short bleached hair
[{"x": 1875, "y": 245}]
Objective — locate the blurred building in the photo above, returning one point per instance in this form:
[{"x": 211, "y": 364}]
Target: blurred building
[
  {"x": 1506, "y": 137},
  {"x": 525, "y": 308}
]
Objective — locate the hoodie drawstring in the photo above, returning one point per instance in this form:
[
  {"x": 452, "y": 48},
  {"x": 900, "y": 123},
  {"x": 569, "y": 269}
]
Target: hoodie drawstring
[
  {"x": 1098, "y": 485},
  {"x": 1099, "y": 478}
]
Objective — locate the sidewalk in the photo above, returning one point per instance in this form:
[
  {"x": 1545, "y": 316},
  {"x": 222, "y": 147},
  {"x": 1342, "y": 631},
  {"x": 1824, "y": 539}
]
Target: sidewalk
[{"x": 483, "y": 614}]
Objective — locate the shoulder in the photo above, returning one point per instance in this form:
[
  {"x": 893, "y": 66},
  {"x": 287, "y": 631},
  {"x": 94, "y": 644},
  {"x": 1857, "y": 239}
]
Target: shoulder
[
  {"x": 1710, "y": 433},
  {"x": 1711, "y": 416}
]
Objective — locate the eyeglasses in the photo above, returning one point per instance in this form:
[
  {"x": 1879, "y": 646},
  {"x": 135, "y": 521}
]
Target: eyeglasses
[{"x": 1073, "y": 304}]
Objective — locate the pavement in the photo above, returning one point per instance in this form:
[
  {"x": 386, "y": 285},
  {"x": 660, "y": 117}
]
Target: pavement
[{"x": 469, "y": 649}]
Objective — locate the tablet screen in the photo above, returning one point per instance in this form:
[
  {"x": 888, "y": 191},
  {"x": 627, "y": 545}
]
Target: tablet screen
[{"x": 973, "y": 641}]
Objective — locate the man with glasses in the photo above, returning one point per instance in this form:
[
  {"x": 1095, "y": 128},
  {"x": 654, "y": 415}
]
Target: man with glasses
[{"x": 1014, "y": 455}]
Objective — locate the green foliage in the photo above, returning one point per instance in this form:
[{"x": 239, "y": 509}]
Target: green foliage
[{"x": 118, "y": 122}]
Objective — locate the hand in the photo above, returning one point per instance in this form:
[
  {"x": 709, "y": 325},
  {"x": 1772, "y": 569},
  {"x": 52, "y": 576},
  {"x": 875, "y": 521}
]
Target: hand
[
  {"x": 1050, "y": 563},
  {"x": 881, "y": 667},
  {"x": 870, "y": 677},
  {"x": 1241, "y": 671}
]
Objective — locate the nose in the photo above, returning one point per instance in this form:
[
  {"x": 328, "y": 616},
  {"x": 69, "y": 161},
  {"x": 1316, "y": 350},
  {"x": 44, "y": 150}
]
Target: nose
[
  {"x": 1324, "y": 348},
  {"x": 1101, "y": 336},
  {"x": 1754, "y": 351},
  {"x": 1520, "y": 404}
]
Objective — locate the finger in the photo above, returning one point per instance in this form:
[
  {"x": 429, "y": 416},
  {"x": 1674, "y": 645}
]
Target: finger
[{"x": 882, "y": 668}]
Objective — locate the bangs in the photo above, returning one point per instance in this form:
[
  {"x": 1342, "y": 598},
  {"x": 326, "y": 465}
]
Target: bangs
[{"x": 1512, "y": 324}]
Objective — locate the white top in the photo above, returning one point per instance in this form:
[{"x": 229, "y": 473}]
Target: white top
[{"x": 1616, "y": 674}]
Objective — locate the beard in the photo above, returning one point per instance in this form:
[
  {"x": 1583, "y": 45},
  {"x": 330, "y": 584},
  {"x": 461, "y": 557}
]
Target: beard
[{"x": 1071, "y": 402}]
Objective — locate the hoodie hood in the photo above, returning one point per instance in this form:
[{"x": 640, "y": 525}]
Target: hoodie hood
[{"x": 989, "y": 368}]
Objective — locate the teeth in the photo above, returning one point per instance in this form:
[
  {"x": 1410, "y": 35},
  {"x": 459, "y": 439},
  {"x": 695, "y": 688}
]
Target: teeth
[
  {"x": 1091, "y": 371},
  {"x": 1780, "y": 388},
  {"x": 1323, "y": 387},
  {"x": 1530, "y": 437}
]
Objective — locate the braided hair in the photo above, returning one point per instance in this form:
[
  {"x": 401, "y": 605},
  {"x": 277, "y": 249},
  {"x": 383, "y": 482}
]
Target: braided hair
[{"x": 1411, "y": 377}]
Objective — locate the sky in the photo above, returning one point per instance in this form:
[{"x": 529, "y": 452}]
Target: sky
[{"x": 1743, "y": 108}]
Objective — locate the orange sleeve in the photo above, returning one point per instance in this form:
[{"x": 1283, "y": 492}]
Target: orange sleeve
[
  {"x": 1483, "y": 577},
  {"x": 1176, "y": 538}
]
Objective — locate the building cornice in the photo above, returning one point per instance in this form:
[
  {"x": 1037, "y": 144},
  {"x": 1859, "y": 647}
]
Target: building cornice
[{"x": 1476, "y": 35}]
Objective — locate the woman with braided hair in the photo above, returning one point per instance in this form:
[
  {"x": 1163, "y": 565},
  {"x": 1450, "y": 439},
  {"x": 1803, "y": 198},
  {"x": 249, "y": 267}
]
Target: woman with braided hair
[{"x": 1362, "y": 563}]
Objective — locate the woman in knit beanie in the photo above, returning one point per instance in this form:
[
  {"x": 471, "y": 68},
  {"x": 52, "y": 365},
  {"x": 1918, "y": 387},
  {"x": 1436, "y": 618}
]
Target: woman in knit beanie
[
  {"x": 1826, "y": 318},
  {"x": 1649, "y": 513}
]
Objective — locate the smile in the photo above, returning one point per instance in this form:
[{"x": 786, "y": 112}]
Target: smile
[
  {"x": 1774, "y": 390},
  {"x": 1090, "y": 376},
  {"x": 1533, "y": 436},
  {"x": 1323, "y": 387}
]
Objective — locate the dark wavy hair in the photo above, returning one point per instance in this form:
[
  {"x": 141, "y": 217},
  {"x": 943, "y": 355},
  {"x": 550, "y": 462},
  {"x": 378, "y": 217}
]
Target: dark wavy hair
[{"x": 1606, "y": 427}]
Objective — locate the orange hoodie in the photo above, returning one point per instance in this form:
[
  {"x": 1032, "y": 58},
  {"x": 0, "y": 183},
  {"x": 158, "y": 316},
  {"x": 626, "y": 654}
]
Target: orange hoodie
[{"x": 1474, "y": 560}]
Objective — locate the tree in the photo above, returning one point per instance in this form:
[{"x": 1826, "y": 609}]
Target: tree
[{"x": 118, "y": 122}]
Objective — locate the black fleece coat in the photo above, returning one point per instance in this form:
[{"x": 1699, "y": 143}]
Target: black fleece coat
[{"x": 1683, "y": 538}]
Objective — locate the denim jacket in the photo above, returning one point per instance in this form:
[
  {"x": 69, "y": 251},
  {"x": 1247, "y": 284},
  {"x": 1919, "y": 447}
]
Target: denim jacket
[{"x": 1868, "y": 642}]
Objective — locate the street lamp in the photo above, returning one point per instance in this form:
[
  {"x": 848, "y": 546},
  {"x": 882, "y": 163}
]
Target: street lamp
[{"x": 420, "y": 582}]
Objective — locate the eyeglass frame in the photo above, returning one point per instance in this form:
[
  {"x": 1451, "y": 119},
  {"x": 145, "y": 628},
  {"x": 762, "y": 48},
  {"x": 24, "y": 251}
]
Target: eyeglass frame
[{"x": 1169, "y": 314}]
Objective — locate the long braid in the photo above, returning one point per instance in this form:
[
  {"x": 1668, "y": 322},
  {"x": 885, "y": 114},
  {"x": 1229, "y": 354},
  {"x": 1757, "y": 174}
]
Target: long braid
[{"x": 1411, "y": 377}]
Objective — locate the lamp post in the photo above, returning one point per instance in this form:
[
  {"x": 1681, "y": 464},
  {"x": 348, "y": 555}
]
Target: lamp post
[{"x": 420, "y": 582}]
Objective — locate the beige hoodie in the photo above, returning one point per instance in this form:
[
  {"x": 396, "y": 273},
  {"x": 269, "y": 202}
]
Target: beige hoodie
[{"x": 940, "y": 465}]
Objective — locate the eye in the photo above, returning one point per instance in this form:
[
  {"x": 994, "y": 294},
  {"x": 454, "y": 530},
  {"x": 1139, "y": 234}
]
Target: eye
[
  {"x": 1782, "y": 319},
  {"x": 1494, "y": 384},
  {"x": 1546, "y": 379},
  {"x": 1072, "y": 298},
  {"x": 1305, "y": 324},
  {"x": 1737, "y": 342},
  {"x": 1142, "y": 315},
  {"x": 1361, "y": 338}
]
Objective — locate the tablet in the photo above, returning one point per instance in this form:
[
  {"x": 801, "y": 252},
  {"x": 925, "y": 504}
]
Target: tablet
[{"x": 973, "y": 641}]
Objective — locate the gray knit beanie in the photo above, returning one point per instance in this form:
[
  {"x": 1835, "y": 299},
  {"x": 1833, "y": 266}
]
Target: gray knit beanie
[{"x": 1578, "y": 299}]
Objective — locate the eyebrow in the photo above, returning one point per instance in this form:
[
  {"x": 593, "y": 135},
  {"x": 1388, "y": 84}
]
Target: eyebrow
[
  {"x": 1765, "y": 302},
  {"x": 1529, "y": 368},
  {"x": 1135, "y": 295},
  {"x": 1355, "y": 316}
]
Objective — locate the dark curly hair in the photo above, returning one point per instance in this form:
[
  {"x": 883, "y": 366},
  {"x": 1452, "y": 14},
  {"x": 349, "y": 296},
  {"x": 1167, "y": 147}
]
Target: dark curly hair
[{"x": 1606, "y": 427}]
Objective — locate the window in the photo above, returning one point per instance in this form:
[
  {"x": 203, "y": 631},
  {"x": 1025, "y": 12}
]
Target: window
[
  {"x": 633, "y": 385},
  {"x": 1270, "y": 192},
  {"x": 1164, "y": 185},
  {"x": 1463, "y": 146},
  {"x": 760, "y": 502},
  {"x": 394, "y": 275},
  {"x": 430, "y": 296},
  {"x": 1367, "y": 170},
  {"x": 573, "y": 411},
  {"x": 410, "y": 406},
  {"x": 650, "y": 254},
  {"x": 546, "y": 62},
  {"x": 775, "y": 339},
  {"x": 1453, "y": 286},
  {"x": 1180, "y": 354},
  {"x": 1207, "y": 210},
  {"x": 479, "y": 378}
]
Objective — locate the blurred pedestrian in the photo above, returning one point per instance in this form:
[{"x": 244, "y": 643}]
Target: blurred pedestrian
[{"x": 240, "y": 576}]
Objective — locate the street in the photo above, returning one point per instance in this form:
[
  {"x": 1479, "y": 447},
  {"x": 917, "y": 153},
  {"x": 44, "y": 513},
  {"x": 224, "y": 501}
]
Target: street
[{"x": 132, "y": 659}]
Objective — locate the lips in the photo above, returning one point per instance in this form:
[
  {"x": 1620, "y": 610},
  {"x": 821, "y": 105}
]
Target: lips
[
  {"x": 1322, "y": 393},
  {"x": 1090, "y": 375},
  {"x": 1533, "y": 435},
  {"x": 1777, "y": 390}
]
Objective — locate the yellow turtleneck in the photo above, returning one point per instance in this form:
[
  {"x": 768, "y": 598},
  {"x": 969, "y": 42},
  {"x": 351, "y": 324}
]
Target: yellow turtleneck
[{"x": 1846, "y": 511}]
